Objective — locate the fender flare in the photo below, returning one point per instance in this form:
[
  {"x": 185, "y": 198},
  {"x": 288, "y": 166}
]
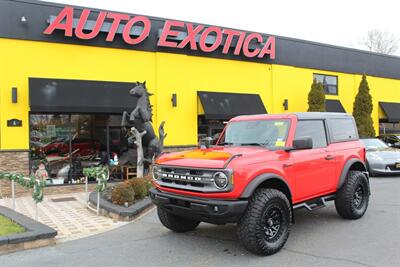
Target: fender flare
[
  {"x": 252, "y": 186},
  {"x": 346, "y": 169}
]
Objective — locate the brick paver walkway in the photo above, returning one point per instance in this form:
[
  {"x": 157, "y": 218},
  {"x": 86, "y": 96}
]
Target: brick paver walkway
[{"x": 65, "y": 213}]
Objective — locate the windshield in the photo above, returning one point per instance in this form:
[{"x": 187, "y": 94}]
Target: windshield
[
  {"x": 373, "y": 144},
  {"x": 270, "y": 133}
]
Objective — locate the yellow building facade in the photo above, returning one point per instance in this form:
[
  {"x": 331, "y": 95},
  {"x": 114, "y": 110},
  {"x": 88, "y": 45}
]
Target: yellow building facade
[
  {"x": 165, "y": 74},
  {"x": 284, "y": 78}
]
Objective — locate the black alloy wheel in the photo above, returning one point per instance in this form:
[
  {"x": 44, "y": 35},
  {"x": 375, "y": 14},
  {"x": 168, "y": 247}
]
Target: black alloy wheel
[
  {"x": 272, "y": 223},
  {"x": 358, "y": 197}
]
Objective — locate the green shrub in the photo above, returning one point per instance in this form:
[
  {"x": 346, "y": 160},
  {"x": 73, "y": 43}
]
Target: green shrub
[
  {"x": 123, "y": 193},
  {"x": 316, "y": 97},
  {"x": 141, "y": 187},
  {"x": 362, "y": 110},
  {"x": 148, "y": 182}
]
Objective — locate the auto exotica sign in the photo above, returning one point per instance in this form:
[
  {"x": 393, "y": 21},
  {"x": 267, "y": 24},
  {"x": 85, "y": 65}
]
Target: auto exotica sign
[{"x": 174, "y": 34}]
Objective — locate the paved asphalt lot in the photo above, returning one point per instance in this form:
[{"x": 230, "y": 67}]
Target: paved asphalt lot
[{"x": 318, "y": 238}]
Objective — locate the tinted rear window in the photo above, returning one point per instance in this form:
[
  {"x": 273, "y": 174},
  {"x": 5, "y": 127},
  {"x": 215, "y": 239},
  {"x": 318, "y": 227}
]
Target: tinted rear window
[{"x": 342, "y": 129}]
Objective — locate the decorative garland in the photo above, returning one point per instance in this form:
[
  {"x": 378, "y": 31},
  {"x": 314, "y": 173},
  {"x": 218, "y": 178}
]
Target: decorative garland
[
  {"x": 30, "y": 182},
  {"x": 101, "y": 174}
]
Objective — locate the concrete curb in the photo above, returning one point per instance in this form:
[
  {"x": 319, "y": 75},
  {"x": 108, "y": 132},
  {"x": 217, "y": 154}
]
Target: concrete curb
[
  {"x": 120, "y": 213},
  {"x": 36, "y": 235}
]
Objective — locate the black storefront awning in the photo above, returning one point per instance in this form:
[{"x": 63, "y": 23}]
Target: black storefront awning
[
  {"x": 392, "y": 111},
  {"x": 224, "y": 106},
  {"x": 334, "y": 106},
  {"x": 79, "y": 96}
]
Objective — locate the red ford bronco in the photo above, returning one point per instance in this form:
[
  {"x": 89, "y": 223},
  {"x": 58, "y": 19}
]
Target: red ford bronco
[{"x": 262, "y": 168}]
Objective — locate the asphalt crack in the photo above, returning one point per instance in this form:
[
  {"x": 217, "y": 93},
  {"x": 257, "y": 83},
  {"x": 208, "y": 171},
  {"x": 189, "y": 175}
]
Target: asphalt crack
[
  {"x": 327, "y": 257},
  {"x": 385, "y": 204}
]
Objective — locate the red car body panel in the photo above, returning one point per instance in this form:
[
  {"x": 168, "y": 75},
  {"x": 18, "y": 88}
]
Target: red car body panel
[
  {"x": 82, "y": 148},
  {"x": 309, "y": 173}
]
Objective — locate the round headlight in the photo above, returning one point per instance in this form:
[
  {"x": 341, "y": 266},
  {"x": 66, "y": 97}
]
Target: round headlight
[
  {"x": 220, "y": 180},
  {"x": 154, "y": 172}
]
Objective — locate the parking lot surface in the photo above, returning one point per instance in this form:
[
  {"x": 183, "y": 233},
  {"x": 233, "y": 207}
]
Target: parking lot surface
[{"x": 317, "y": 238}]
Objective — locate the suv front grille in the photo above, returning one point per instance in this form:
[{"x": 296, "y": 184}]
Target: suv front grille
[
  {"x": 185, "y": 178},
  {"x": 165, "y": 180}
]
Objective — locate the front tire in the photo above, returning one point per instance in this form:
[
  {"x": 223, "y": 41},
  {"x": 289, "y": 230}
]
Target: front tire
[
  {"x": 265, "y": 226},
  {"x": 352, "y": 198},
  {"x": 176, "y": 223}
]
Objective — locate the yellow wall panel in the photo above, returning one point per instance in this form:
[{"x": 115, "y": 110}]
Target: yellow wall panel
[
  {"x": 185, "y": 75},
  {"x": 24, "y": 59},
  {"x": 382, "y": 90},
  {"x": 165, "y": 74},
  {"x": 294, "y": 83}
]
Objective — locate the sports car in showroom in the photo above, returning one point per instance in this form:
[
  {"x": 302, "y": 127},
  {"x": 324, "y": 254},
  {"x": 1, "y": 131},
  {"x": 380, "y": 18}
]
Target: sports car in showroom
[{"x": 381, "y": 159}]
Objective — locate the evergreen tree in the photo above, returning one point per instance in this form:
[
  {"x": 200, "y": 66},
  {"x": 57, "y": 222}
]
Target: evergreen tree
[
  {"x": 316, "y": 97},
  {"x": 362, "y": 110}
]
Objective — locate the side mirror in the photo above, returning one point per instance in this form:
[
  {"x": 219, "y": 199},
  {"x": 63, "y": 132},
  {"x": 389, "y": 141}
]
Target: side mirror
[{"x": 303, "y": 143}]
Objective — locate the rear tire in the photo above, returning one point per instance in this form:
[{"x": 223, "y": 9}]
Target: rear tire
[
  {"x": 265, "y": 226},
  {"x": 352, "y": 198},
  {"x": 176, "y": 223}
]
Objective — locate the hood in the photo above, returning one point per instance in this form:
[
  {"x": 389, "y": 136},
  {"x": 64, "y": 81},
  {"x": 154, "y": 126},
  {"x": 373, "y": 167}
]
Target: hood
[
  {"x": 387, "y": 153},
  {"x": 214, "y": 157}
]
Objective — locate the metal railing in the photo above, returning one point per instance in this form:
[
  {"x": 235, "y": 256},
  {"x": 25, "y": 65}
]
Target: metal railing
[
  {"x": 97, "y": 210},
  {"x": 13, "y": 198}
]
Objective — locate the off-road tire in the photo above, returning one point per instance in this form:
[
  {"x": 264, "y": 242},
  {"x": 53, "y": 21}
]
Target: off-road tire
[
  {"x": 176, "y": 223},
  {"x": 352, "y": 198},
  {"x": 253, "y": 227}
]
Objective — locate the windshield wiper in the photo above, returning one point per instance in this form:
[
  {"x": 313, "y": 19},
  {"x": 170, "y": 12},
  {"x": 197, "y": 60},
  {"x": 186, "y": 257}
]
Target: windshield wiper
[
  {"x": 252, "y": 144},
  {"x": 242, "y": 144},
  {"x": 225, "y": 143}
]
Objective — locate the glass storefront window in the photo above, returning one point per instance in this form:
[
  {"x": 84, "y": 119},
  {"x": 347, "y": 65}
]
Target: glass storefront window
[
  {"x": 48, "y": 141},
  {"x": 67, "y": 143},
  {"x": 330, "y": 83},
  {"x": 389, "y": 128}
]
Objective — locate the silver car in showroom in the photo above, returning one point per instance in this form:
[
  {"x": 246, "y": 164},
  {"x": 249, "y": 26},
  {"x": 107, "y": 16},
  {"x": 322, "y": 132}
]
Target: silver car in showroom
[{"x": 381, "y": 159}]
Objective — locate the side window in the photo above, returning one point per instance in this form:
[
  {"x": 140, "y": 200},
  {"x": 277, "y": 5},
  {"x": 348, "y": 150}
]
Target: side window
[
  {"x": 342, "y": 129},
  {"x": 314, "y": 129}
]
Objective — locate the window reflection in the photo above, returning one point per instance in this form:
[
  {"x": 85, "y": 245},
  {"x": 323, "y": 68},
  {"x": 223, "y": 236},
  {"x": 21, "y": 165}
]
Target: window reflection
[
  {"x": 67, "y": 143},
  {"x": 329, "y": 82}
]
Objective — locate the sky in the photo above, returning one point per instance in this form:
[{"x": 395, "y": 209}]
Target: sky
[{"x": 337, "y": 22}]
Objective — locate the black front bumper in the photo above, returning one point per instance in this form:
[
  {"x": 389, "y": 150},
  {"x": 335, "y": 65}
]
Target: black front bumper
[{"x": 200, "y": 209}]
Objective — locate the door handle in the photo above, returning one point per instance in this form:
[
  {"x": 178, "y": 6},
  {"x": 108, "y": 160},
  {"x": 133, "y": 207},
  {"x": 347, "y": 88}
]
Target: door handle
[{"x": 329, "y": 157}]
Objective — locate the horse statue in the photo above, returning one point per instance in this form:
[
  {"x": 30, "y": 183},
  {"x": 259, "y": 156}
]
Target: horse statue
[{"x": 140, "y": 118}]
